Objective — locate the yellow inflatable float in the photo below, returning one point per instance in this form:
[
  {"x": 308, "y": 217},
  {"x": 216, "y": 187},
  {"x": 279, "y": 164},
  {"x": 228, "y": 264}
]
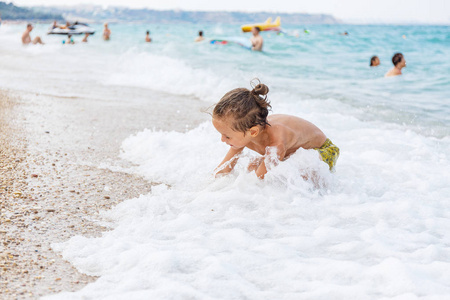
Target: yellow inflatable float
[{"x": 266, "y": 26}]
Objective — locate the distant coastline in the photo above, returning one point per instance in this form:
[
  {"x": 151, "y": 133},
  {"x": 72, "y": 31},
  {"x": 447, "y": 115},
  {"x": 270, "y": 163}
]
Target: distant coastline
[
  {"x": 10, "y": 12},
  {"x": 95, "y": 13}
]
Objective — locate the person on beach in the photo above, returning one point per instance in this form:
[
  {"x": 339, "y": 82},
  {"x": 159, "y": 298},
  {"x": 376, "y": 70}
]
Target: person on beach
[
  {"x": 256, "y": 39},
  {"x": 241, "y": 117},
  {"x": 106, "y": 33},
  {"x": 200, "y": 37},
  {"x": 85, "y": 39},
  {"x": 399, "y": 63},
  {"x": 374, "y": 61},
  {"x": 147, "y": 37},
  {"x": 26, "y": 38}
]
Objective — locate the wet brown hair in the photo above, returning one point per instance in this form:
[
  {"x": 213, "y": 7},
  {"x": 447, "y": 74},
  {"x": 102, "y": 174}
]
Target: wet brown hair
[
  {"x": 397, "y": 58},
  {"x": 246, "y": 108}
]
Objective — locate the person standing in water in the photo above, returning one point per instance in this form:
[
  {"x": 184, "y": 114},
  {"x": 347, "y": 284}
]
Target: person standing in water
[
  {"x": 200, "y": 37},
  {"x": 399, "y": 63},
  {"x": 374, "y": 61},
  {"x": 85, "y": 39},
  {"x": 26, "y": 38},
  {"x": 147, "y": 37},
  {"x": 256, "y": 39},
  {"x": 70, "y": 40},
  {"x": 106, "y": 33}
]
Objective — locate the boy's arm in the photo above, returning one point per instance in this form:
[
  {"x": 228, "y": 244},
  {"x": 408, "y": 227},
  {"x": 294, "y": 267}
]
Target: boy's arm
[
  {"x": 261, "y": 171},
  {"x": 281, "y": 153},
  {"x": 230, "y": 160}
]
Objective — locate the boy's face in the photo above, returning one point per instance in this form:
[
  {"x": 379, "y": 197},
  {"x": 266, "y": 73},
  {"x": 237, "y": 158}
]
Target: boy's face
[{"x": 234, "y": 139}]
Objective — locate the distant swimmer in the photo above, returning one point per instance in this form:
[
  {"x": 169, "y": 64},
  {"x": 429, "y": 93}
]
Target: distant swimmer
[
  {"x": 257, "y": 40},
  {"x": 147, "y": 37},
  {"x": 26, "y": 38},
  {"x": 374, "y": 61},
  {"x": 399, "y": 63},
  {"x": 344, "y": 33},
  {"x": 200, "y": 37},
  {"x": 85, "y": 39},
  {"x": 106, "y": 33}
]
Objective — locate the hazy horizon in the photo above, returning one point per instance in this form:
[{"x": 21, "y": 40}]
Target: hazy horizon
[{"x": 347, "y": 11}]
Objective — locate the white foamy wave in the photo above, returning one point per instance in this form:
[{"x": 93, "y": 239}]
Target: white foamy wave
[
  {"x": 194, "y": 155},
  {"x": 377, "y": 230},
  {"x": 180, "y": 164},
  {"x": 169, "y": 75}
]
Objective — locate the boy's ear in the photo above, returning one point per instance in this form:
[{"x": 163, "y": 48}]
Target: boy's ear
[{"x": 254, "y": 131}]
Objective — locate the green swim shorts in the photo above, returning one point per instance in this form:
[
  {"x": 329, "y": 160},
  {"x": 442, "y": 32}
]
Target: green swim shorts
[{"x": 329, "y": 153}]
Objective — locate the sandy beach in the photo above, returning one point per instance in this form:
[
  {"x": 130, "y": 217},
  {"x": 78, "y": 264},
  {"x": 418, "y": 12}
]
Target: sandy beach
[{"x": 52, "y": 187}]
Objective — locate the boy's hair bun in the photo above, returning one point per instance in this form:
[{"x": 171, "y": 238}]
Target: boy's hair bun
[
  {"x": 246, "y": 108},
  {"x": 259, "y": 92},
  {"x": 260, "y": 89}
]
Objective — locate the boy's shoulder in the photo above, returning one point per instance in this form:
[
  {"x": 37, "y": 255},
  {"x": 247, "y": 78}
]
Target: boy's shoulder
[{"x": 283, "y": 119}]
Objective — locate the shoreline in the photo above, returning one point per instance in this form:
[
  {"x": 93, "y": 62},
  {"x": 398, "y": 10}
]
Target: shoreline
[
  {"x": 27, "y": 262},
  {"x": 51, "y": 185}
]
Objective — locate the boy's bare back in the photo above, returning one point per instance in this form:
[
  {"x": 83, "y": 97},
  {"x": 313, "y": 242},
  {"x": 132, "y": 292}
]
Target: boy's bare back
[{"x": 292, "y": 133}]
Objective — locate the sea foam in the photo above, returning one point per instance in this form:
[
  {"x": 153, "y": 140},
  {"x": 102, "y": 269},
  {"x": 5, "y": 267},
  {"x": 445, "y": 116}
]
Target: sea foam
[{"x": 376, "y": 229}]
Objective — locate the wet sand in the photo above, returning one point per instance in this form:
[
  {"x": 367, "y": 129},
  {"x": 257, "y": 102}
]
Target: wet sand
[{"x": 52, "y": 186}]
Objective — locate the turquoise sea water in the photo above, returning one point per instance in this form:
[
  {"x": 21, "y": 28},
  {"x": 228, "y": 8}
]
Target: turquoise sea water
[
  {"x": 324, "y": 64},
  {"x": 321, "y": 65}
]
